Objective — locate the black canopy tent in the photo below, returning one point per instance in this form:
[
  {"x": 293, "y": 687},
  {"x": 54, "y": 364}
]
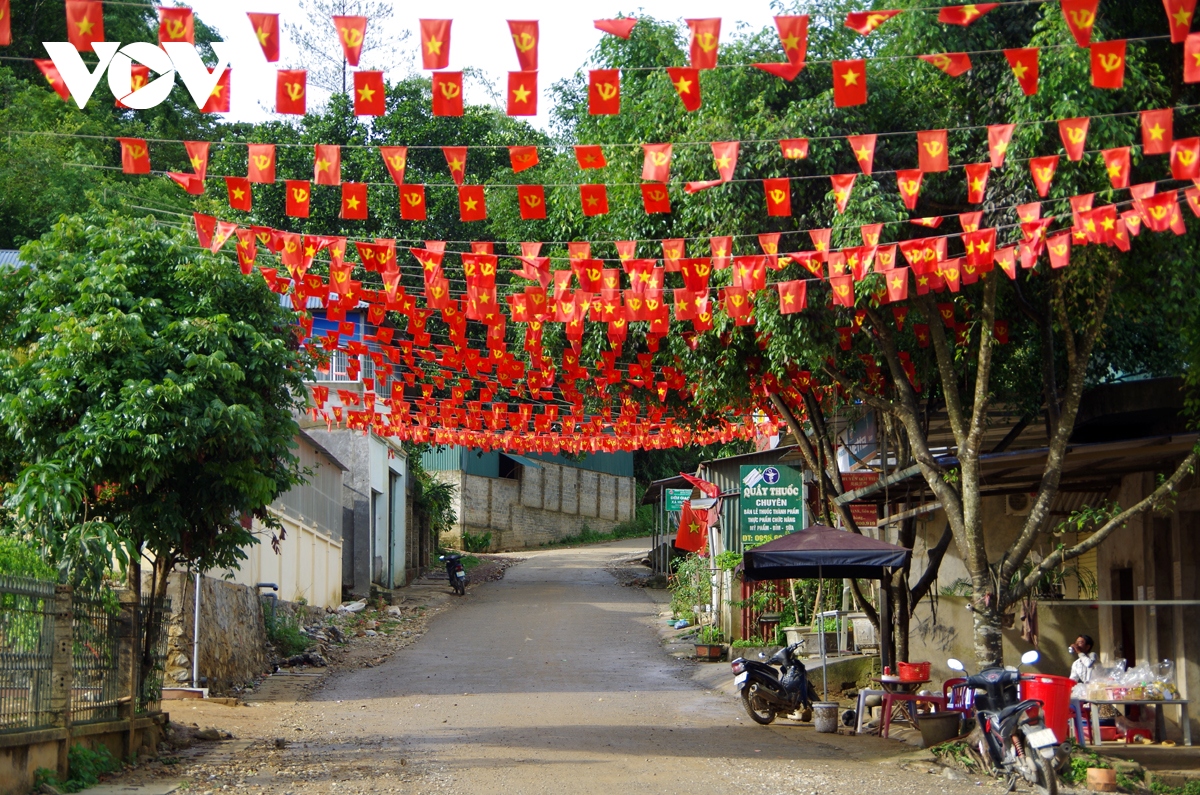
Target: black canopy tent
[{"x": 818, "y": 551}]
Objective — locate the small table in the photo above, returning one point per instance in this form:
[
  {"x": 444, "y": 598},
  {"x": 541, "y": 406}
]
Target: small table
[
  {"x": 898, "y": 686},
  {"x": 1160, "y": 723},
  {"x": 906, "y": 693}
]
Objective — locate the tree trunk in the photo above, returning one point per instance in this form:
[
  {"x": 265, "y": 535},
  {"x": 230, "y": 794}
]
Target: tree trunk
[{"x": 989, "y": 641}]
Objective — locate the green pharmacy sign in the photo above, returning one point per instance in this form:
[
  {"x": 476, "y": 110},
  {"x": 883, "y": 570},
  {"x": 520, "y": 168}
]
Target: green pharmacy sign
[{"x": 772, "y": 503}]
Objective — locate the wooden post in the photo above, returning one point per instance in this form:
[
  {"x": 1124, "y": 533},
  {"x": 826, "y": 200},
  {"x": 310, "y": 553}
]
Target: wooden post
[
  {"x": 885, "y": 625},
  {"x": 129, "y": 661},
  {"x": 61, "y": 665}
]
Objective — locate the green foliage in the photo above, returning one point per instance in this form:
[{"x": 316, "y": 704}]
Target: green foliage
[
  {"x": 751, "y": 642},
  {"x": 284, "y": 633},
  {"x": 728, "y": 560},
  {"x": 710, "y": 633},
  {"x": 85, "y": 766},
  {"x": 586, "y": 535},
  {"x": 477, "y": 543},
  {"x": 18, "y": 557},
  {"x": 146, "y": 395},
  {"x": 689, "y": 585},
  {"x": 432, "y": 498}
]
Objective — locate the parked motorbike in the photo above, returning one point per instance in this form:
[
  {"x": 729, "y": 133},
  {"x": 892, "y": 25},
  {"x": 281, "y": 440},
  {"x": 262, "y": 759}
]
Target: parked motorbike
[
  {"x": 1019, "y": 744},
  {"x": 456, "y": 573},
  {"x": 766, "y": 692}
]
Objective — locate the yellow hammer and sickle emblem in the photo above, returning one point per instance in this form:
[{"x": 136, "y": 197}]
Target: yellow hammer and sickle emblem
[
  {"x": 300, "y": 194},
  {"x": 524, "y": 41},
  {"x": 777, "y": 196},
  {"x": 909, "y": 186},
  {"x": 619, "y": 323},
  {"x": 449, "y": 90},
  {"x": 886, "y": 259},
  {"x": 352, "y": 36},
  {"x": 437, "y": 292},
  {"x": 1060, "y": 250},
  {"x": 533, "y": 201},
  {"x": 1083, "y": 18},
  {"x": 340, "y": 276},
  {"x": 952, "y": 274},
  {"x": 137, "y": 82},
  {"x": 737, "y": 300},
  {"x": 672, "y": 253},
  {"x": 770, "y": 248},
  {"x": 652, "y": 304},
  {"x": 705, "y": 317},
  {"x": 656, "y": 195},
  {"x": 1044, "y": 174},
  {"x": 842, "y": 289},
  {"x": 635, "y": 304},
  {"x": 606, "y": 90},
  {"x": 1158, "y": 213},
  {"x": 941, "y": 61},
  {"x": 397, "y": 162},
  {"x": 702, "y": 270},
  {"x": 875, "y": 19},
  {"x": 1110, "y": 61},
  {"x": 934, "y": 148},
  {"x": 1076, "y": 134},
  {"x": 290, "y": 247},
  {"x": 707, "y": 41},
  {"x": 1186, "y": 156},
  {"x": 176, "y": 28},
  {"x": 795, "y": 153},
  {"x": 413, "y": 199},
  {"x": 263, "y": 237},
  {"x": 488, "y": 270},
  {"x": 261, "y": 162},
  {"x": 294, "y": 90},
  {"x": 137, "y": 152},
  {"x": 659, "y": 158},
  {"x": 593, "y": 274},
  {"x": 468, "y": 268}
]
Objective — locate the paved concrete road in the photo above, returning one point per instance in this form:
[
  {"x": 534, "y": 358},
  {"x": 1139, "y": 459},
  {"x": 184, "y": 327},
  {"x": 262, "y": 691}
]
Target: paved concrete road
[{"x": 551, "y": 680}]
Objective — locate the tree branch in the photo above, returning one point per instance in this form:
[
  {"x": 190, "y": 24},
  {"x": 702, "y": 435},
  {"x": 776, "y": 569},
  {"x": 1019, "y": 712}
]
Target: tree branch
[
  {"x": 929, "y": 577},
  {"x": 945, "y": 363}
]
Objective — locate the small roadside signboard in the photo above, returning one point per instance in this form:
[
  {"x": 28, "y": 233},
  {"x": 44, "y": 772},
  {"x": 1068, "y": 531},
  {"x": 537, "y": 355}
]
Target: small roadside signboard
[
  {"x": 772, "y": 503},
  {"x": 675, "y": 498}
]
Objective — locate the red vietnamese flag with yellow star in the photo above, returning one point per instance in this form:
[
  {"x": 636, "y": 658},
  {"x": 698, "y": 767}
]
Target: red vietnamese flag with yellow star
[
  {"x": 396, "y": 160},
  {"x": 693, "y": 530},
  {"x": 604, "y": 92},
  {"x": 525, "y": 39},
  {"x": 706, "y": 34},
  {"x": 218, "y": 100},
  {"x": 261, "y": 163},
  {"x": 1191, "y": 59},
  {"x": 897, "y": 284},
  {"x": 981, "y": 248},
  {"x": 85, "y": 23},
  {"x": 240, "y": 196},
  {"x": 591, "y": 156},
  {"x": 952, "y": 63},
  {"x": 999, "y": 137},
  {"x": 725, "y": 157},
  {"x": 370, "y": 94},
  {"x": 686, "y": 80},
  {"x": 593, "y": 199},
  {"x": 843, "y": 185},
  {"x": 176, "y": 24},
  {"x": 1024, "y": 65},
  {"x": 1108, "y": 64},
  {"x": 863, "y": 147},
  {"x": 354, "y": 201},
  {"x": 1080, "y": 16},
  {"x": 655, "y": 198},
  {"x": 50, "y": 72},
  {"x": 1116, "y": 163},
  {"x": 247, "y": 250},
  {"x": 1179, "y": 18},
  {"x": 299, "y": 193},
  {"x": 933, "y": 151},
  {"x": 472, "y": 206},
  {"x": 977, "y": 179},
  {"x": 522, "y": 93},
  {"x": 1158, "y": 131},
  {"x": 721, "y": 249},
  {"x": 435, "y": 43},
  {"x": 291, "y": 88},
  {"x": 197, "y": 152},
  {"x": 793, "y": 296},
  {"x": 327, "y": 164},
  {"x": 5, "y": 24},
  {"x": 135, "y": 156},
  {"x": 456, "y": 161},
  {"x": 447, "y": 94},
  {"x": 1073, "y": 133},
  {"x": 970, "y": 221},
  {"x": 532, "y": 201},
  {"x": 266, "y": 30},
  {"x": 849, "y": 83},
  {"x": 779, "y": 196},
  {"x": 964, "y": 15},
  {"x": 351, "y": 31},
  {"x": 864, "y": 22},
  {"x": 793, "y": 37},
  {"x": 412, "y": 202}
]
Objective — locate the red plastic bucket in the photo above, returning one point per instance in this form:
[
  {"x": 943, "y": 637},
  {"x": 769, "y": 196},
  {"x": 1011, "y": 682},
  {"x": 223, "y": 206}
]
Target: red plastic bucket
[{"x": 1055, "y": 694}]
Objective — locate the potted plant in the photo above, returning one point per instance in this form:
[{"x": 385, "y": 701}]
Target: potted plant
[{"x": 709, "y": 643}]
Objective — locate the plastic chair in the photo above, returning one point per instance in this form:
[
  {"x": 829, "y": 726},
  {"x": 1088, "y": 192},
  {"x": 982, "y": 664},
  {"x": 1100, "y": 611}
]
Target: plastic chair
[
  {"x": 910, "y": 700},
  {"x": 1077, "y": 722},
  {"x": 862, "y": 706},
  {"x": 959, "y": 697}
]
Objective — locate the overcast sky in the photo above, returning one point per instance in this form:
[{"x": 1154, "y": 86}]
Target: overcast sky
[{"x": 479, "y": 38}]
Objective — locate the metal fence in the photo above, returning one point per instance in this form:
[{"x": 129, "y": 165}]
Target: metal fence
[
  {"x": 26, "y": 649},
  {"x": 95, "y": 685},
  {"x": 155, "y": 616}
]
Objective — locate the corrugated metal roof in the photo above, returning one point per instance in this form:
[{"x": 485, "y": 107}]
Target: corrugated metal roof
[{"x": 10, "y": 257}]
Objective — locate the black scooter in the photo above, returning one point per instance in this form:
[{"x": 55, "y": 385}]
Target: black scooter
[
  {"x": 1007, "y": 735},
  {"x": 456, "y": 573},
  {"x": 766, "y": 693}
]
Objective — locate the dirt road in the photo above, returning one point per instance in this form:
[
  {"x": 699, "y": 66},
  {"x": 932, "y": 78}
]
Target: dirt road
[{"x": 549, "y": 681}]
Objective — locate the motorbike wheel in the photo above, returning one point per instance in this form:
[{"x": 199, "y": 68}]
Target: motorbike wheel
[
  {"x": 1038, "y": 771},
  {"x": 460, "y": 587},
  {"x": 759, "y": 711}
]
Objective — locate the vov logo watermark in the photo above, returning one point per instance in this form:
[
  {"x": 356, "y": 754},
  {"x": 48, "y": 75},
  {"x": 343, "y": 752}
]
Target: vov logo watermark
[{"x": 168, "y": 60}]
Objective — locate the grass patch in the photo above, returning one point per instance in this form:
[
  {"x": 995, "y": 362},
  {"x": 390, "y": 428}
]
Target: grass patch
[
  {"x": 285, "y": 635},
  {"x": 587, "y": 535},
  {"x": 85, "y": 766},
  {"x": 470, "y": 562}
]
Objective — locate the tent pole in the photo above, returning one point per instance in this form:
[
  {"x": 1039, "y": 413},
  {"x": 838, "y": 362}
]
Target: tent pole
[
  {"x": 821, "y": 618},
  {"x": 885, "y": 623}
]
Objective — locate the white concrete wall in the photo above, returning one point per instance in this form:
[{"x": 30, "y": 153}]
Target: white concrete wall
[{"x": 308, "y": 566}]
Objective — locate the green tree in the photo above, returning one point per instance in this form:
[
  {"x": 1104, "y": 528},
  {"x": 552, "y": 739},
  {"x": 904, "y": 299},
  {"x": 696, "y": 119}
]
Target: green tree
[{"x": 148, "y": 384}]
